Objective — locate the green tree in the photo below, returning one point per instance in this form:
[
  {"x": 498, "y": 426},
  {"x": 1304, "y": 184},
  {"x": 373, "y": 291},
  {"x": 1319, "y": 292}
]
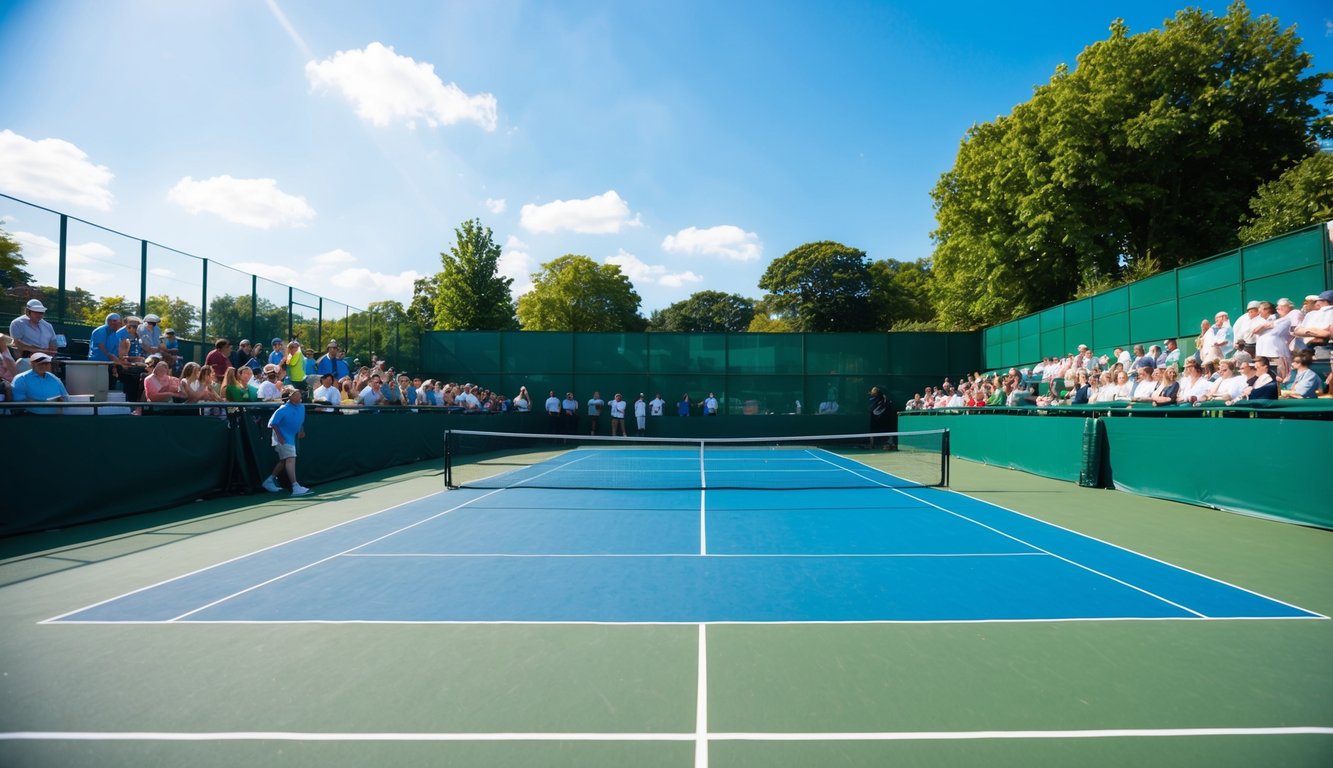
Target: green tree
[
  {"x": 1149, "y": 149},
  {"x": 575, "y": 293},
  {"x": 229, "y": 317},
  {"x": 470, "y": 294},
  {"x": 1301, "y": 196},
  {"x": 822, "y": 286},
  {"x": 768, "y": 320},
  {"x": 899, "y": 292},
  {"x": 705, "y": 311},
  {"x": 177, "y": 314},
  {"x": 12, "y": 263},
  {"x": 79, "y": 302},
  {"x": 96, "y": 314},
  {"x": 425, "y": 292}
]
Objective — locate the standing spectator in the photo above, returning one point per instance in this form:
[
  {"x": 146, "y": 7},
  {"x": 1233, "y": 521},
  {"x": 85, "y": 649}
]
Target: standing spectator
[
  {"x": 295, "y": 362},
  {"x": 618, "y": 415},
  {"x": 553, "y": 414},
  {"x": 522, "y": 401},
  {"x": 151, "y": 336},
  {"x": 1272, "y": 334},
  {"x": 569, "y": 408},
  {"x": 1316, "y": 330},
  {"x": 31, "y": 333},
  {"x": 595, "y": 404},
  {"x": 333, "y": 362},
  {"x": 219, "y": 359},
  {"x": 683, "y": 407},
  {"x": 240, "y": 357},
  {"x": 641, "y": 415},
  {"x": 1243, "y": 328},
  {"x": 132, "y": 357},
  {"x": 171, "y": 349},
  {"x": 104, "y": 346},
  {"x": 275, "y": 357},
  {"x": 39, "y": 384},
  {"x": 287, "y": 423},
  {"x": 1219, "y": 340},
  {"x": 657, "y": 406},
  {"x": 1171, "y": 357},
  {"x": 710, "y": 405}
]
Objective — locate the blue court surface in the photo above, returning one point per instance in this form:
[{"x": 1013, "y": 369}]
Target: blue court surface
[{"x": 846, "y": 554}]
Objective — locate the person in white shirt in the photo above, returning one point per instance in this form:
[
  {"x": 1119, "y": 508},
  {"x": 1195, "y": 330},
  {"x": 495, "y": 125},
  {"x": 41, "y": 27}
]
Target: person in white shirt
[
  {"x": 655, "y": 407},
  {"x": 1106, "y": 389},
  {"x": 618, "y": 415},
  {"x": 1228, "y": 386},
  {"x": 710, "y": 405},
  {"x": 641, "y": 414},
  {"x": 522, "y": 401},
  {"x": 326, "y": 392},
  {"x": 268, "y": 388},
  {"x": 1243, "y": 328},
  {"x": 1218, "y": 340},
  {"x": 1272, "y": 333},
  {"x": 1149, "y": 378},
  {"x": 569, "y": 407},
  {"x": 1194, "y": 385},
  {"x": 553, "y": 422},
  {"x": 595, "y": 404}
]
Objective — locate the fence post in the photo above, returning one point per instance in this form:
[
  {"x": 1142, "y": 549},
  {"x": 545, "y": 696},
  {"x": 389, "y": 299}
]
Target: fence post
[
  {"x": 60, "y": 275},
  {"x": 203, "y": 306}
]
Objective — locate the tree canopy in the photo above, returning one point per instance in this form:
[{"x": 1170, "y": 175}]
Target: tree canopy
[
  {"x": 898, "y": 292},
  {"x": 575, "y": 293},
  {"x": 12, "y": 263},
  {"x": 705, "y": 311},
  {"x": 1149, "y": 149},
  {"x": 822, "y": 286},
  {"x": 1300, "y": 197},
  {"x": 470, "y": 295}
]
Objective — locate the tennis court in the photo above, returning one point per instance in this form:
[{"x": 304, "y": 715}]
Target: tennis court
[{"x": 774, "y": 602}]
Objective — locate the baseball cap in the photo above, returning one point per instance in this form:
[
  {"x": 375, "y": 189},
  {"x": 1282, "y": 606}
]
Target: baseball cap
[
  {"x": 1252, "y": 305},
  {"x": 277, "y": 340},
  {"x": 1326, "y": 296},
  {"x": 170, "y": 331},
  {"x": 41, "y": 357},
  {"x": 34, "y": 305},
  {"x": 151, "y": 318}
]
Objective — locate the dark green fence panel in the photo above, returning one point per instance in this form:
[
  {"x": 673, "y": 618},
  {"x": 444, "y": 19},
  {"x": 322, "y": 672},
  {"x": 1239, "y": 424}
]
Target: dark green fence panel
[
  {"x": 539, "y": 352},
  {"x": 1152, "y": 290},
  {"x": 1110, "y": 331},
  {"x": 1192, "y": 309},
  {"x": 698, "y": 352},
  {"x": 1294, "y": 285},
  {"x": 845, "y": 353},
  {"x": 1029, "y": 338},
  {"x": 1046, "y": 446},
  {"x": 1154, "y": 323},
  {"x": 460, "y": 356},
  {"x": 766, "y": 353},
  {"x": 611, "y": 352},
  {"x": 1283, "y": 254},
  {"x": 767, "y": 395},
  {"x": 964, "y": 354},
  {"x": 907, "y": 353},
  {"x": 1210, "y": 275}
]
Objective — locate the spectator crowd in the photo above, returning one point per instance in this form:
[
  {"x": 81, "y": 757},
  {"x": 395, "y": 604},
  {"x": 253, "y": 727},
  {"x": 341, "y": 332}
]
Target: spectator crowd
[{"x": 1272, "y": 351}]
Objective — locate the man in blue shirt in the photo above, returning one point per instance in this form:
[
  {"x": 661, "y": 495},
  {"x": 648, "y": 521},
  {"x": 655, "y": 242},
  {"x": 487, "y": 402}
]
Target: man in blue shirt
[
  {"x": 287, "y": 422},
  {"x": 104, "y": 346},
  {"x": 38, "y": 384},
  {"x": 275, "y": 357}
]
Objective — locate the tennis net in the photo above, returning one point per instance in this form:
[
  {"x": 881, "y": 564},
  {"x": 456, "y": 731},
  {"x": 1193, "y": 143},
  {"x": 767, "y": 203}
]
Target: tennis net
[{"x": 475, "y": 459}]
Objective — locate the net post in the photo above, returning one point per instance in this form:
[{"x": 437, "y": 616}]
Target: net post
[
  {"x": 944, "y": 459},
  {"x": 448, "y": 463}
]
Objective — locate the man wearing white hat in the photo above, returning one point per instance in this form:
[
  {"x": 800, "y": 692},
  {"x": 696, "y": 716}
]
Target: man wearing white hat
[
  {"x": 150, "y": 335},
  {"x": 39, "y": 384},
  {"x": 31, "y": 332},
  {"x": 1243, "y": 328}
]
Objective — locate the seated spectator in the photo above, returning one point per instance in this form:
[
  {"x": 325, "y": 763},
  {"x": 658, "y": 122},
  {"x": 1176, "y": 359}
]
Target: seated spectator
[
  {"x": 1263, "y": 386},
  {"x": 406, "y": 390},
  {"x": 916, "y": 403},
  {"x": 348, "y": 391},
  {"x": 828, "y": 407},
  {"x": 1228, "y": 386},
  {"x": 1021, "y": 396},
  {"x": 131, "y": 359},
  {"x": 1168, "y": 390},
  {"x": 1195, "y": 385},
  {"x": 161, "y": 387},
  {"x": 326, "y": 393},
  {"x": 232, "y": 389},
  {"x": 1123, "y": 391},
  {"x": 1170, "y": 357},
  {"x": 245, "y": 376},
  {"x": 372, "y": 394},
  {"x": 39, "y": 384},
  {"x": 171, "y": 349},
  {"x": 8, "y": 365},
  {"x": 1082, "y": 391},
  {"x": 1146, "y": 384},
  {"x": 1106, "y": 388},
  {"x": 270, "y": 389},
  {"x": 1303, "y": 383}
]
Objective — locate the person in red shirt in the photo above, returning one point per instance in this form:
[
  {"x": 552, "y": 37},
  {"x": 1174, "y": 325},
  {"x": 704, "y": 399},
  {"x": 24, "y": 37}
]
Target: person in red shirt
[{"x": 220, "y": 358}]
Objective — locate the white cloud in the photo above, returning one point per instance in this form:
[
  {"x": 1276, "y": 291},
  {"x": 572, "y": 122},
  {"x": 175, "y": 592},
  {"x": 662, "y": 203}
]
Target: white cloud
[
  {"x": 252, "y": 202},
  {"x": 91, "y": 265},
  {"x": 495, "y": 206},
  {"x": 603, "y": 214},
  {"x": 515, "y": 262},
  {"x": 397, "y": 286},
  {"x": 386, "y": 87},
  {"x": 275, "y": 272},
  {"x": 52, "y": 170},
  {"x": 639, "y": 272},
  {"x": 727, "y": 241}
]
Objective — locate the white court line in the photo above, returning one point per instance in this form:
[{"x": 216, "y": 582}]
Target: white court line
[
  {"x": 701, "y": 707},
  {"x": 238, "y": 557},
  {"x": 696, "y": 554},
  {"x": 703, "y": 495},
  {"x": 788, "y": 622},
  {"x": 1034, "y": 546},
  {"x": 1105, "y": 733}
]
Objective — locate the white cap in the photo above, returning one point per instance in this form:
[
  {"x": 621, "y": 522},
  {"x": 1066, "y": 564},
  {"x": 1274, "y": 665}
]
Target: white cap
[{"x": 35, "y": 306}]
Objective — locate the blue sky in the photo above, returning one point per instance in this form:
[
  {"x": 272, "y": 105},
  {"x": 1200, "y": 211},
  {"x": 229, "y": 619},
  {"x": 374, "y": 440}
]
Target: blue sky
[{"x": 334, "y": 146}]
